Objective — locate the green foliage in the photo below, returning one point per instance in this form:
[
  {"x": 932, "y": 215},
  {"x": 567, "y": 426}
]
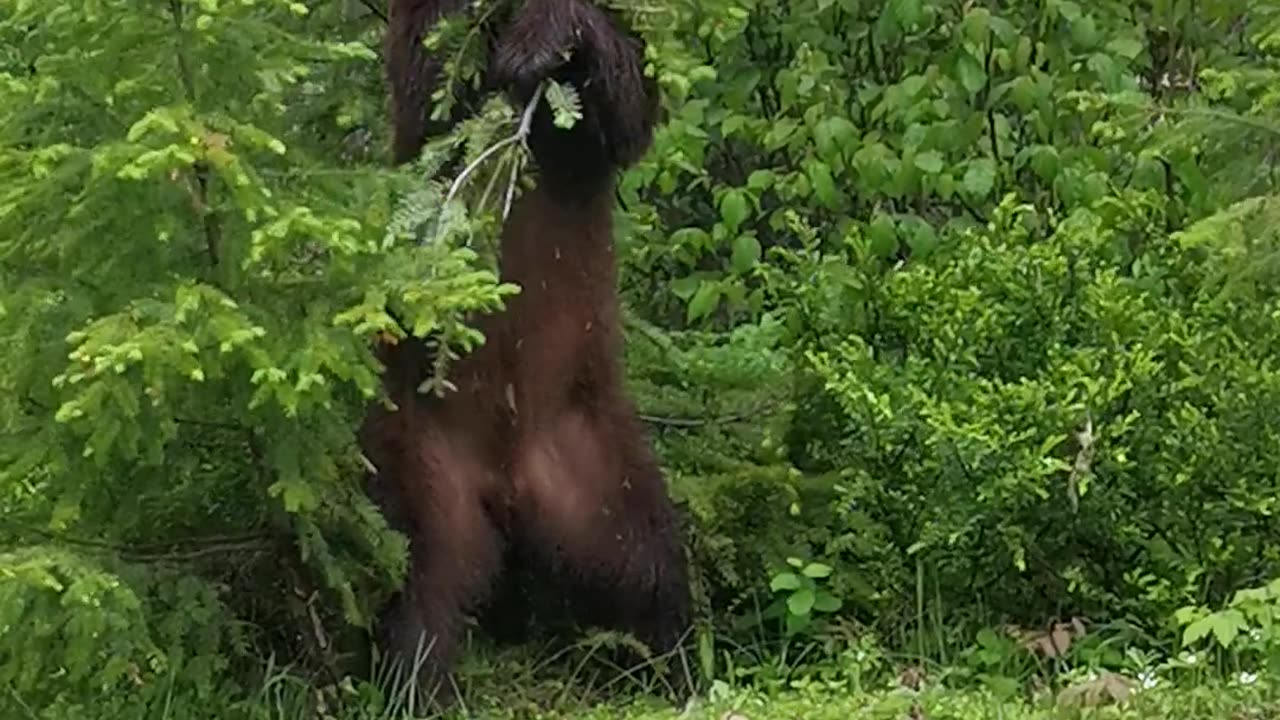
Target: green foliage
[
  {"x": 1044, "y": 415},
  {"x": 77, "y": 632},
  {"x": 1017, "y": 263},
  {"x": 195, "y": 268},
  {"x": 801, "y": 597},
  {"x": 565, "y": 103},
  {"x": 1248, "y": 627}
]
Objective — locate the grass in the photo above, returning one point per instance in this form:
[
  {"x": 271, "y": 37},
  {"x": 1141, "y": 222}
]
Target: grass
[
  {"x": 1201, "y": 702},
  {"x": 1195, "y": 703},
  {"x": 851, "y": 681},
  {"x": 526, "y": 685},
  {"x": 582, "y": 684}
]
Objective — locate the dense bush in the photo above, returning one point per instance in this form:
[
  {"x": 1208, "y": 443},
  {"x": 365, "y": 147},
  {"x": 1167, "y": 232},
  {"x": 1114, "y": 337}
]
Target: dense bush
[
  {"x": 1029, "y": 335},
  {"x": 1056, "y": 422},
  {"x": 194, "y": 263}
]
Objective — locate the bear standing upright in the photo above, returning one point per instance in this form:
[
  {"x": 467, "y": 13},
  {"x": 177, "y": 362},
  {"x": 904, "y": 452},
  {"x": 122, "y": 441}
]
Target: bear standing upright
[{"x": 537, "y": 457}]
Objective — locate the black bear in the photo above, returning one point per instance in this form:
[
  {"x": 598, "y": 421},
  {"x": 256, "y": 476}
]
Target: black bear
[{"x": 537, "y": 458}]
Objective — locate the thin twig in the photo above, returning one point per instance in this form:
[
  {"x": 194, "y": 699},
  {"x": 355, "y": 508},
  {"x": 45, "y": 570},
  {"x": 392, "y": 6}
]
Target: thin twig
[
  {"x": 520, "y": 135},
  {"x": 382, "y": 15},
  {"x": 511, "y": 186},
  {"x": 457, "y": 182},
  {"x": 212, "y": 227},
  {"x": 526, "y": 118},
  {"x": 493, "y": 179},
  {"x": 526, "y": 127},
  {"x": 154, "y": 552},
  {"x": 215, "y": 424},
  {"x": 256, "y": 546},
  {"x": 702, "y": 422}
]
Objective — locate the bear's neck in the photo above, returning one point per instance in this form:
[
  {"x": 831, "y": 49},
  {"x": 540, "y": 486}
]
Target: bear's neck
[{"x": 562, "y": 244}]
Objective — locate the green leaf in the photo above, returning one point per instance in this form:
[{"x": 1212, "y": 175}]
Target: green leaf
[
  {"x": 760, "y": 180},
  {"x": 834, "y": 137},
  {"x": 1197, "y": 630},
  {"x": 874, "y": 163},
  {"x": 297, "y": 494},
  {"x": 797, "y": 623},
  {"x": 1022, "y": 90},
  {"x": 785, "y": 581},
  {"x": 704, "y": 301},
  {"x": 685, "y": 287},
  {"x": 908, "y": 13},
  {"x": 971, "y": 74},
  {"x": 922, "y": 238},
  {"x": 67, "y": 510},
  {"x": 1109, "y": 72},
  {"x": 1148, "y": 172},
  {"x": 824, "y": 185},
  {"x": 977, "y": 25},
  {"x": 817, "y": 570},
  {"x": 732, "y": 124},
  {"x": 979, "y": 177},
  {"x": 1085, "y": 33},
  {"x": 827, "y": 603},
  {"x": 1126, "y": 47},
  {"x": 1022, "y": 54},
  {"x": 946, "y": 187},
  {"x": 693, "y": 237},
  {"x": 883, "y": 234},
  {"x": 801, "y": 602},
  {"x": 779, "y": 133},
  {"x": 987, "y": 638},
  {"x": 734, "y": 209},
  {"x": 930, "y": 161},
  {"x": 1227, "y": 625},
  {"x": 565, "y": 104},
  {"x": 746, "y": 253},
  {"x": 1045, "y": 162}
]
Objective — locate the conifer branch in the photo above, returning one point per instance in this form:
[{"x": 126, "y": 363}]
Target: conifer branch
[{"x": 211, "y": 223}]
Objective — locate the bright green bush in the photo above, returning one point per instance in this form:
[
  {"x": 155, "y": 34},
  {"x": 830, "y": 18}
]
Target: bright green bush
[
  {"x": 1053, "y": 429},
  {"x": 195, "y": 255},
  {"x": 972, "y": 233},
  {"x": 91, "y": 639}
]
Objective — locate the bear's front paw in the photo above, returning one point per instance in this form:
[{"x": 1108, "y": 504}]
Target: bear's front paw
[
  {"x": 578, "y": 43},
  {"x": 540, "y": 40}
]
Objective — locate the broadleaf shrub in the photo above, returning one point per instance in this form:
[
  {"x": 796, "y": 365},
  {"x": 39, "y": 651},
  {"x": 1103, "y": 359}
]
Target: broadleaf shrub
[
  {"x": 1046, "y": 417},
  {"x": 1013, "y": 267}
]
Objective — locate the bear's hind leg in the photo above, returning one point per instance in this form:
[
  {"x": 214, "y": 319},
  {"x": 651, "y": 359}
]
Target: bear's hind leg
[
  {"x": 593, "y": 501},
  {"x": 455, "y": 554}
]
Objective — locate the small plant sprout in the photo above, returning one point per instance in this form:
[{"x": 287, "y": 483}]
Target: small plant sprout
[{"x": 800, "y": 595}]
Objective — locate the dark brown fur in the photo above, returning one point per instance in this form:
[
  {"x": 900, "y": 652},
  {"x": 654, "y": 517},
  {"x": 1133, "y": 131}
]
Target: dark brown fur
[{"x": 537, "y": 457}]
